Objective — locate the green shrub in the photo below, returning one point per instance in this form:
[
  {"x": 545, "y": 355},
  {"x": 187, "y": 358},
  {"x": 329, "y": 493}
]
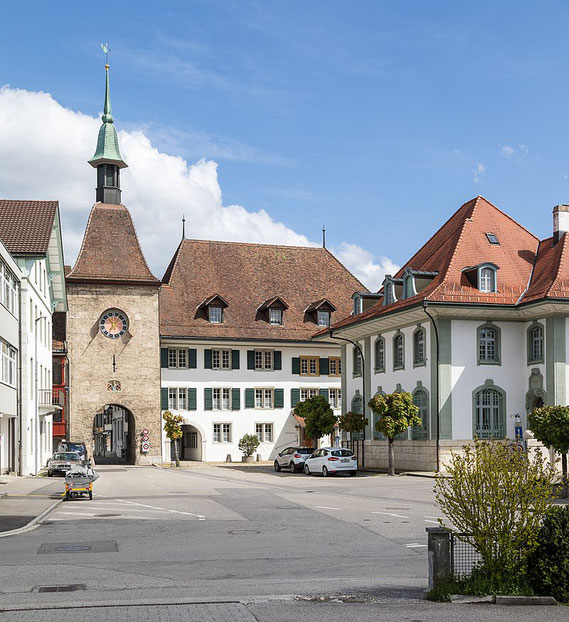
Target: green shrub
[
  {"x": 248, "y": 444},
  {"x": 548, "y": 565}
]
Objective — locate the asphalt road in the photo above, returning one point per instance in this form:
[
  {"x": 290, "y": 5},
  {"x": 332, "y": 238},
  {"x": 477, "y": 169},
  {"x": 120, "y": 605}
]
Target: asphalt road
[{"x": 230, "y": 543}]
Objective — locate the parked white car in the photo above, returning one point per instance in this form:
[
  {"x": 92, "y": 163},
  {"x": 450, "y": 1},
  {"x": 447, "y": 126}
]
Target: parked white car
[{"x": 329, "y": 460}]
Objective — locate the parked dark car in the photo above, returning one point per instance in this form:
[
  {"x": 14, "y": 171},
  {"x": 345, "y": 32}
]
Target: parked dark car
[
  {"x": 79, "y": 448},
  {"x": 292, "y": 458}
]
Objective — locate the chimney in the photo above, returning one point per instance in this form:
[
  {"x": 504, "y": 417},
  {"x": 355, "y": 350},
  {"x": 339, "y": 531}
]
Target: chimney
[{"x": 560, "y": 221}]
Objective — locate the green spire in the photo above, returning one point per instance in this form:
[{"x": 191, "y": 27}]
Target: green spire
[{"x": 107, "y": 151}]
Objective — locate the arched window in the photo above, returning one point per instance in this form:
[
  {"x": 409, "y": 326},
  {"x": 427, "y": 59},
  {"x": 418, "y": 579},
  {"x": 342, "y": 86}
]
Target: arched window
[
  {"x": 357, "y": 362},
  {"x": 419, "y": 347},
  {"x": 421, "y": 400},
  {"x": 488, "y": 345},
  {"x": 379, "y": 354},
  {"x": 398, "y": 351},
  {"x": 357, "y": 407},
  {"x": 489, "y": 412},
  {"x": 535, "y": 343},
  {"x": 487, "y": 279}
]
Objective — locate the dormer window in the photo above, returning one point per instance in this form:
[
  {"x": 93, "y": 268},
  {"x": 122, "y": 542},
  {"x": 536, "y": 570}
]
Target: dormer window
[
  {"x": 275, "y": 316},
  {"x": 319, "y": 312},
  {"x": 272, "y": 311},
  {"x": 487, "y": 279},
  {"x": 323, "y": 318},
  {"x": 358, "y": 305},
  {"x": 215, "y": 315}
]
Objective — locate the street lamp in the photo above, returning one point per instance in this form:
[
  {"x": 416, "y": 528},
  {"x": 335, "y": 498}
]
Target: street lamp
[{"x": 36, "y": 418}]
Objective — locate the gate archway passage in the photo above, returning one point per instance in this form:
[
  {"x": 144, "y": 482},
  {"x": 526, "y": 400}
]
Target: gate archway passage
[
  {"x": 114, "y": 436},
  {"x": 190, "y": 444}
]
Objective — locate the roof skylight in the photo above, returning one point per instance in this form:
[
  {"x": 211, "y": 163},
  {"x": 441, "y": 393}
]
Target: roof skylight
[{"x": 492, "y": 238}]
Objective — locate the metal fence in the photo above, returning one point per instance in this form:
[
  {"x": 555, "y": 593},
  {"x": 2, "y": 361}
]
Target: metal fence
[{"x": 464, "y": 558}]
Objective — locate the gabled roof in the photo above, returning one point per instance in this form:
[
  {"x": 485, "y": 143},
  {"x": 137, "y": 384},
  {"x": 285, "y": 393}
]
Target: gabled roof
[
  {"x": 323, "y": 302},
  {"x": 110, "y": 250},
  {"x": 270, "y": 302},
  {"x": 211, "y": 299},
  {"x": 248, "y": 275},
  {"x": 26, "y": 226},
  {"x": 461, "y": 243}
]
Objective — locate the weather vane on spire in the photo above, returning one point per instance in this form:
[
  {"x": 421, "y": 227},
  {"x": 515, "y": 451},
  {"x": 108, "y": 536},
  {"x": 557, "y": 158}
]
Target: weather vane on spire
[{"x": 106, "y": 49}]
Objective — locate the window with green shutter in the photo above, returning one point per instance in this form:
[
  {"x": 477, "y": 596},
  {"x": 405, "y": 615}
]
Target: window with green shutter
[
  {"x": 208, "y": 399},
  {"x": 192, "y": 399},
  {"x": 277, "y": 360},
  {"x": 164, "y": 358},
  {"x": 234, "y": 359},
  {"x": 192, "y": 358},
  {"x": 235, "y": 399},
  {"x": 324, "y": 367},
  {"x": 249, "y": 398},
  {"x": 164, "y": 398},
  {"x": 294, "y": 397},
  {"x": 207, "y": 359},
  {"x": 324, "y": 393},
  {"x": 296, "y": 365},
  {"x": 250, "y": 359},
  {"x": 279, "y": 398}
]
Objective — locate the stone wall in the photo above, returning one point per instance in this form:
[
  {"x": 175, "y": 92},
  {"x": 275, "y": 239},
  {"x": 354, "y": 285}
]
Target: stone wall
[{"x": 137, "y": 357}]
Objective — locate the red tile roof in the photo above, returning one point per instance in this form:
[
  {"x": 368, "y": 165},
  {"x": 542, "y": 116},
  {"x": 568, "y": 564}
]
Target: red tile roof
[
  {"x": 247, "y": 275},
  {"x": 460, "y": 243},
  {"x": 26, "y": 226},
  {"x": 110, "y": 250}
]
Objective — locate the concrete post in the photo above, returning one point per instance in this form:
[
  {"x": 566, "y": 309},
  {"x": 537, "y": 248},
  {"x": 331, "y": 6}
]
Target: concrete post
[{"x": 439, "y": 550}]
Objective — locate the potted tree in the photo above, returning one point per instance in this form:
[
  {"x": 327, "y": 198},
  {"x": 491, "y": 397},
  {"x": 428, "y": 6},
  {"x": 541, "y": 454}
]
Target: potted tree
[
  {"x": 173, "y": 429},
  {"x": 248, "y": 445}
]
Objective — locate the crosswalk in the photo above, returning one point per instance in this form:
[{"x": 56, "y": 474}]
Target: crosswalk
[{"x": 118, "y": 509}]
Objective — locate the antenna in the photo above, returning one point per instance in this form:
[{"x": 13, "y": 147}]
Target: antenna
[
  {"x": 184, "y": 227},
  {"x": 323, "y": 236}
]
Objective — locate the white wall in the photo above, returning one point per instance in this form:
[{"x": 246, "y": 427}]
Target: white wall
[{"x": 243, "y": 421}]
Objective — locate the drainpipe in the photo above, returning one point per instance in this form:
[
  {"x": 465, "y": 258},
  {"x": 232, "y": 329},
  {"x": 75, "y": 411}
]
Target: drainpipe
[
  {"x": 19, "y": 391},
  {"x": 438, "y": 413},
  {"x": 357, "y": 345}
]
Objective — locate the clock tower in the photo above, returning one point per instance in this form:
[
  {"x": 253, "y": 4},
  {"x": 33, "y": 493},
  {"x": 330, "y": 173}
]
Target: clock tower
[{"x": 112, "y": 325}]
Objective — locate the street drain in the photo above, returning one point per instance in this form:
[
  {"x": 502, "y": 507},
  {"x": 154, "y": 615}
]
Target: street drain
[
  {"x": 73, "y": 548},
  {"x": 106, "y": 515},
  {"x": 62, "y": 588},
  {"x": 244, "y": 532},
  {"x": 288, "y": 507}
]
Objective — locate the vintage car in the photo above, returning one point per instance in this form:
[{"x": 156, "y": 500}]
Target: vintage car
[{"x": 61, "y": 462}]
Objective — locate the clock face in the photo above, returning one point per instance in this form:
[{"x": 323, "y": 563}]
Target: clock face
[{"x": 113, "y": 324}]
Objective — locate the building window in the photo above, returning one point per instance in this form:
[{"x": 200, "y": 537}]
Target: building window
[
  {"x": 221, "y": 399},
  {"x": 222, "y": 433},
  {"x": 380, "y": 354},
  {"x": 419, "y": 347},
  {"x": 309, "y": 365},
  {"x": 487, "y": 279},
  {"x": 264, "y": 432},
  {"x": 492, "y": 238},
  {"x": 8, "y": 369},
  {"x": 421, "y": 400},
  {"x": 182, "y": 399},
  {"x": 488, "y": 345},
  {"x": 8, "y": 289},
  {"x": 334, "y": 366},
  {"x": 306, "y": 394},
  {"x": 264, "y": 359},
  {"x": 398, "y": 351},
  {"x": 357, "y": 362},
  {"x": 263, "y": 398},
  {"x": 489, "y": 407},
  {"x": 172, "y": 399},
  {"x": 177, "y": 358},
  {"x": 215, "y": 315},
  {"x": 335, "y": 398},
  {"x": 275, "y": 316},
  {"x": 535, "y": 343},
  {"x": 323, "y": 318},
  {"x": 221, "y": 359}
]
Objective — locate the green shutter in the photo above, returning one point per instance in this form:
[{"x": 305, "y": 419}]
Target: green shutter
[
  {"x": 278, "y": 360},
  {"x": 249, "y": 398},
  {"x": 207, "y": 398},
  {"x": 324, "y": 367},
  {"x": 294, "y": 397},
  {"x": 192, "y": 358},
  {"x": 279, "y": 398},
  {"x": 163, "y": 357},
  {"x": 234, "y": 359},
  {"x": 296, "y": 365},
  {"x": 324, "y": 393},
  {"x": 207, "y": 359},
  {"x": 192, "y": 399},
  {"x": 235, "y": 399},
  {"x": 250, "y": 359},
  {"x": 164, "y": 399}
]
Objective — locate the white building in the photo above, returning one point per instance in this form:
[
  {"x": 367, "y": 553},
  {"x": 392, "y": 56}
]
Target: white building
[
  {"x": 30, "y": 230},
  {"x": 236, "y": 356},
  {"x": 474, "y": 326},
  {"x": 9, "y": 347}
]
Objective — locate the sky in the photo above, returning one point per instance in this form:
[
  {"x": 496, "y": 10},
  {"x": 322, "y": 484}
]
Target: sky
[{"x": 265, "y": 120}]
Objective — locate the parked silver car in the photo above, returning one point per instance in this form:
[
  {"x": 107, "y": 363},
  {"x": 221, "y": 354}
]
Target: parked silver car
[
  {"x": 330, "y": 460},
  {"x": 292, "y": 458},
  {"x": 61, "y": 462}
]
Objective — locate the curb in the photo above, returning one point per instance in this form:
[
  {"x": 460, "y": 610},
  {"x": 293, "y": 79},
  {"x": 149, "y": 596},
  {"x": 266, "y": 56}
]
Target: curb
[
  {"x": 525, "y": 600},
  {"x": 35, "y": 522}
]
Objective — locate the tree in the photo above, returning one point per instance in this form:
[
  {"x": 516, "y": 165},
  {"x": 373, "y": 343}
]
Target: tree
[
  {"x": 248, "y": 444},
  {"x": 319, "y": 418},
  {"x": 353, "y": 423},
  {"x": 173, "y": 429},
  {"x": 550, "y": 425},
  {"x": 396, "y": 413},
  {"x": 499, "y": 497}
]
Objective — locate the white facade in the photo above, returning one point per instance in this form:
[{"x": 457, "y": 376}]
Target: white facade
[
  {"x": 212, "y": 430},
  {"x": 9, "y": 359}
]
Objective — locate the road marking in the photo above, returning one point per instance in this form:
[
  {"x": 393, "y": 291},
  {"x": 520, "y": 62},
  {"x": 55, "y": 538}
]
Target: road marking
[
  {"x": 325, "y": 507},
  {"x": 436, "y": 522},
  {"x": 391, "y": 514},
  {"x": 437, "y": 517},
  {"x": 153, "y": 507},
  {"x": 415, "y": 545}
]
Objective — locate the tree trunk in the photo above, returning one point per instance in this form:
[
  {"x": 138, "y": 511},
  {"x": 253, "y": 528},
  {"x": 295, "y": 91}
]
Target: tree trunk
[
  {"x": 176, "y": 451},
  {"x": 564, "y": 470},
  {"x": 391, "y": 470}
]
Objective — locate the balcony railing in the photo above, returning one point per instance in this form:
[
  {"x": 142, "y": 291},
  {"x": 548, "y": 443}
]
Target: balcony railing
[{"x": 51, "y": 397}]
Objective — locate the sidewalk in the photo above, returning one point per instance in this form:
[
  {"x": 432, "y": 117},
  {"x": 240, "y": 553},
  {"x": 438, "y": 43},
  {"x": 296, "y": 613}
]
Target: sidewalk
[{"x": 23, "y": 499}]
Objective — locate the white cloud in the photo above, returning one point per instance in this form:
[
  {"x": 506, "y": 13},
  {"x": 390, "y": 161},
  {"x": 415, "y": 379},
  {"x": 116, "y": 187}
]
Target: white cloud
[
  {"x": 520, "y": 152},
  {"x": 44, "y": 148},
  {"x": 479, "y": 172},
  {"x": 506, "y": 150}
]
